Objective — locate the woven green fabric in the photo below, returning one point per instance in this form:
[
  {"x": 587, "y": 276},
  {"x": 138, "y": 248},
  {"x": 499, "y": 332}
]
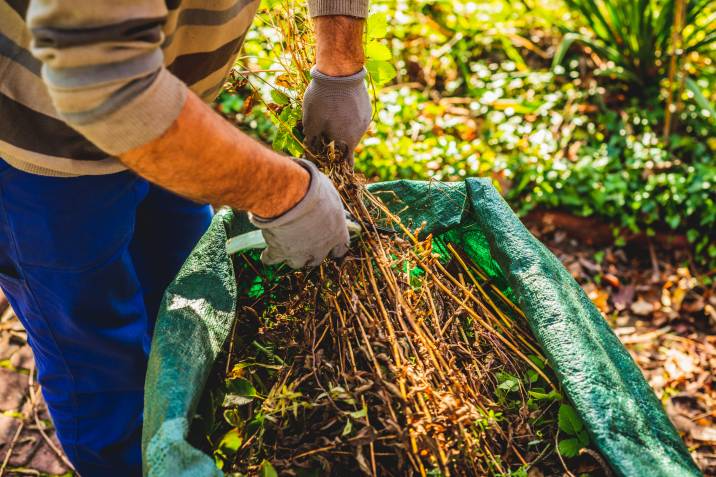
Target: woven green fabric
[{"x": 624, "y": 418}]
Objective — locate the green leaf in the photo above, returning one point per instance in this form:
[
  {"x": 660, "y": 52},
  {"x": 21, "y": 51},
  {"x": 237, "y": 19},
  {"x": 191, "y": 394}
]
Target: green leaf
[
  {"x": 507, "y": 382},
  {"x": 599, "y": 256},
  {"x": 512, "y": 53},
  {"x": 347, "y": 428},
  {"x": 360, "y": 413},
  {"x": 583, "y": 438},
  {"x": 231, "y": 441},
  {"x": 569, "y": 421},
  {"x": 569, "y": 447},
  {"x": 232, "y": 417},
  {"x": 673, "y": 220},
  {"x": 240, "y": 386},
  {"x": 239, "y": 392},
  {"x": 539, "y": 395},
  {"x": 532, "y": 375},
  {"x": 377, "y": 51},
  {"x": 279, "y": 98},
  {"x": 699, "y": 97},
  {"x": 508, "y": 385},
  {"x": 267, "y": 470},
  {"x": 537, "y": 361},
  {"x": 603, "y": 51},
  {"x": 380, "y": 71},
  {"x": 377, "y": 25}
]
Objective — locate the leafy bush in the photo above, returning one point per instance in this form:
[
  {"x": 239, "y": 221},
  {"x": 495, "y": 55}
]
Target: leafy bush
[
  {"x": 625, "y": 173},
  {"x": 477, "y": 98},
  {"x": 637, "y": 36}
]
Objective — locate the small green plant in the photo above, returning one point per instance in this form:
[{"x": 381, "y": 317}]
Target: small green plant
[
  {"x": 378, "y": 55},
  {"x": 571, "y": 424}
]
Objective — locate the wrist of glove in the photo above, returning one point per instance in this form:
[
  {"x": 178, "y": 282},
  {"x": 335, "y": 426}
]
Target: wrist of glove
[
  {"x": 336, "y": 108},
  {"x": 309, "y": 231}
]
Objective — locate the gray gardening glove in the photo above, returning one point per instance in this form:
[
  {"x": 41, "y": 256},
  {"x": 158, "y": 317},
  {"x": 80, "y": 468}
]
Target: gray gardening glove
[
  {"x": 310, "y": 230},
  {"x": 336, "y": 108}
]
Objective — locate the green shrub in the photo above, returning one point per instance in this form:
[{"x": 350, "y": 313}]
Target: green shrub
[
  {"x": 636, "y": 36},
  {"x": 477, "y": 108}
]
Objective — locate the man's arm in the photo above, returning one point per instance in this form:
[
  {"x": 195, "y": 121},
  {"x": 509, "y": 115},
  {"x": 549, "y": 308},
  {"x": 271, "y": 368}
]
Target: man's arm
[
  {"x": 240, "y": 171},
  {"x": 110, "y": 84},
  {"x": 336, "y": 105},
  {"x": 339, "y": 45},
  {"x": 203, "y": 157}
]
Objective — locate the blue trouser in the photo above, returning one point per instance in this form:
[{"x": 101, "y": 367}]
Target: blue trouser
[{"x": 84, "y": 262}]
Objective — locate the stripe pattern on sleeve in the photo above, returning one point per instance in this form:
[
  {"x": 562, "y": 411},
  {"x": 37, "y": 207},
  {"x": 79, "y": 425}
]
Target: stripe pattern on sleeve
[{"x": 83, "y": 81}]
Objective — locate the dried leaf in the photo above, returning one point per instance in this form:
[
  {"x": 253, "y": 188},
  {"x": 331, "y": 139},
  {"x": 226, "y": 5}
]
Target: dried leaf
[{"x": 642, "y": 307}]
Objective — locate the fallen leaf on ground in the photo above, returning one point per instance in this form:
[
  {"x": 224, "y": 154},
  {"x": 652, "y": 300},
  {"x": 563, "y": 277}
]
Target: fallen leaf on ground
[{"x": 642, "y": 307}]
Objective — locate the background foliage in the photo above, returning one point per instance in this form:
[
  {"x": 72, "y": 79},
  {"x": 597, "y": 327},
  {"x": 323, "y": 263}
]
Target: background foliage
[{"x": 597, "y": 108}]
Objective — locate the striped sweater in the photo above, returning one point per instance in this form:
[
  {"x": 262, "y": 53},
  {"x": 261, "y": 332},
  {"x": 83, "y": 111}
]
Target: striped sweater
[{"x": 82, "y": 81}]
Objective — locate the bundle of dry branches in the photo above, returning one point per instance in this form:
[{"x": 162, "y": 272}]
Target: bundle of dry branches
[{"x": 395, "y": 360}]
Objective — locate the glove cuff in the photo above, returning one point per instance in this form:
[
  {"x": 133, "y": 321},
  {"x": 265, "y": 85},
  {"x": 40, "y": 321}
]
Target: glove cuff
[
  {"x": 303, "y": 207},
  {"x": 338, "y": 81}
]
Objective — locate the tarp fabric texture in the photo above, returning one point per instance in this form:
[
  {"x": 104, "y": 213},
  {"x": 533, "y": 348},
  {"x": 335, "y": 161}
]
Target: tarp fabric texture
[{"x": 625, "y": 420}]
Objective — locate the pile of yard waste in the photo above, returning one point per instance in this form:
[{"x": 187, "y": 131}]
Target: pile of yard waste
[{"x": 402, "y": 358}]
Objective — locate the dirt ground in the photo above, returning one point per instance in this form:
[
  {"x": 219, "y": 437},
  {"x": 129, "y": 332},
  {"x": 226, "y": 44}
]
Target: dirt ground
[
  {"x": 27, "y": 442},
  {"x": 664, "y": 311},
  {"x": 656, "y": 301}
]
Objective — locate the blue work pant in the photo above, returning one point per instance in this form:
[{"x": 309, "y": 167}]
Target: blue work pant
[{"x": 84, "y": 262}]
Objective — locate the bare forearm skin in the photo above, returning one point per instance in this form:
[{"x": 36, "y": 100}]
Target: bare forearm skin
[
  {"x": 339, "y": 45},
  {"x": 206, "y": 159}
]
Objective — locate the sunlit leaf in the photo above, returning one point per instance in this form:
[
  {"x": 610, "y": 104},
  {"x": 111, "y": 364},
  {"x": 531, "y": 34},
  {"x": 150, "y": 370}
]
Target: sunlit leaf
[
  {"x": 377, "y": 51},
  {"x": 231, "y": 441},
  {"x": 699, "y": 97},
  {"x": 267, "y": 470},
  {"x": 380, "y": 71},
  {"x": 279, "y": 98},
  {"x": 360, "y": 413},
  {"x": 377, "y": 25},
  {"x": 347, "y": 428}
]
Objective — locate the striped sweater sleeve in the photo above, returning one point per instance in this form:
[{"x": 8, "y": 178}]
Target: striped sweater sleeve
[
  {"x": 350, "y": 8},
  {"x": 102, "y": 64}
]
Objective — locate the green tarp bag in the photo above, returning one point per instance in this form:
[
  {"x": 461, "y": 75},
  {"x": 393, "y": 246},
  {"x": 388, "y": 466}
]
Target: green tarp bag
[{"x": 624, "y": 418}]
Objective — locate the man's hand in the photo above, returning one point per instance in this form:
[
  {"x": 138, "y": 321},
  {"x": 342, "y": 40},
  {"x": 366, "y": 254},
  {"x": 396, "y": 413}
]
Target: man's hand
[
  {"x": 203, "y": 157},
  {"x": 336, "y": 105},
  {"x": 309, "y": 231}
]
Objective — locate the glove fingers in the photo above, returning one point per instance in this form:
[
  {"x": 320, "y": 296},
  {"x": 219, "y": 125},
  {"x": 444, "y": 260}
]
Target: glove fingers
[
  {"x": 314, "y": 143},
  {"x": 339, "y": 250},
  {"x": 313, "y": 263},
  {"x": 268, "y": 257},
  {"x": 300, "y": 262}
]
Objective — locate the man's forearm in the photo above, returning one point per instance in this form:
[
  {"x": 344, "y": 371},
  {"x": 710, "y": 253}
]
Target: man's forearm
[
  {"x": 339, "y": 45},
  {"x": 204, "y": 158}
]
